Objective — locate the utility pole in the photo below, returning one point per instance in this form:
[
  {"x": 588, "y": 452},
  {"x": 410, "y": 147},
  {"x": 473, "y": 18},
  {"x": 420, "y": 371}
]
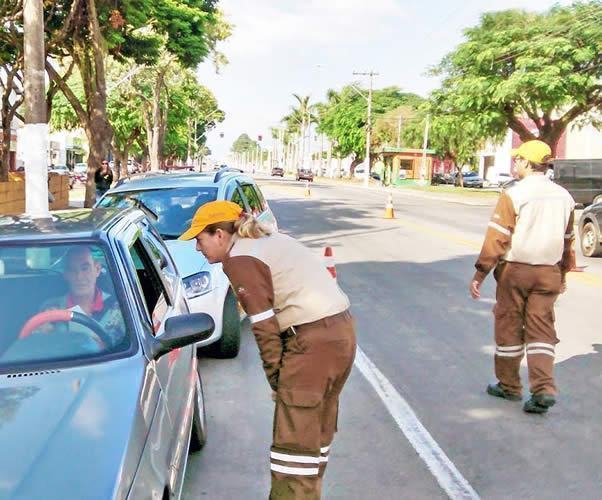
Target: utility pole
[
  {"x": 35, "y": 131},
  {"x": 399, "y": 132},
  {"x": 371, "y": 74}
]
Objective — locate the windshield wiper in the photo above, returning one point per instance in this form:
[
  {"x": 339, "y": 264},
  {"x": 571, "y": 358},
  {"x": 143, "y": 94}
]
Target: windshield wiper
[{"x": 142, "y": 206}]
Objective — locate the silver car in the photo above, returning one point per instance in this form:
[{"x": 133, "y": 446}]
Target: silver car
[
  {"x": 174, "y": 198},
  {"x": 100, "y": 394}
]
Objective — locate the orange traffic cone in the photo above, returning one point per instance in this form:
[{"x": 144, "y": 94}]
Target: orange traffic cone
[
  {"x": 329, "y": 262},
  {"x": 389, "y": 212},
  {"x": 307, "y": 189}
]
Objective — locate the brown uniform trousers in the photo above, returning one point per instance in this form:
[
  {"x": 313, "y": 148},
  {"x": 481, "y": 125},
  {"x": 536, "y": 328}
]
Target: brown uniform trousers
[
  {"x": 524, "y": 317},
  {"x": 315, "y": 365}
]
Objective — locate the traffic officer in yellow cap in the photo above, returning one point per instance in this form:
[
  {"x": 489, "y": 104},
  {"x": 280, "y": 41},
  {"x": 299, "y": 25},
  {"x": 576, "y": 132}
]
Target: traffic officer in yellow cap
[
  {"x": 529, "y": 245},
  {"x": 305, "y": 333}
]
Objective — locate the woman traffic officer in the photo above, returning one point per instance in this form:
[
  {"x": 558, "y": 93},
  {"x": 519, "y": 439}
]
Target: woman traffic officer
[{"x": 305, "y": 333}]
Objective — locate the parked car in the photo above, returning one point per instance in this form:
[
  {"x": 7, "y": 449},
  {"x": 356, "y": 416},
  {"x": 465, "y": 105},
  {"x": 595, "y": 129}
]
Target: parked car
[
  {"x": 103, "y": 402},
  {"x": 581, "y": 178},
  {"x": 80, "y": 172},
  {"x": 442, "y": 178},
  {"x": 62, "y": 170},
  {"x": 500, "y": 178},
  {"x": 590, "y": 236},
  {"x": 174, "y": 199},
  {"x": 470, "y": 180},
  {"x": 277, "y": 171},
  {"x": 305, "y": 174}
]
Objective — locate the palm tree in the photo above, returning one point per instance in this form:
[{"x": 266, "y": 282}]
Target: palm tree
[{"x": 299, "y": 120}]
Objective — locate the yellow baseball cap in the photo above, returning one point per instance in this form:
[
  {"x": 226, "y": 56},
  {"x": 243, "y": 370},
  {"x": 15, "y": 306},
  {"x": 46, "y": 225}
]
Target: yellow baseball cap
[
  {"x": 211, "y": 213},
  {"x": 534, "y": 151}
]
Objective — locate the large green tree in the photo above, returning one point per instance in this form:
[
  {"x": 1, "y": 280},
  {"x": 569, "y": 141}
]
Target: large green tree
[
  {"x": 11, "y": 76},
  {"x": 532, "y": 72},
  {"x": 244, "y": 144},
  {"x": 87, "y": 31},
  {"x": 343, "y": 117}
]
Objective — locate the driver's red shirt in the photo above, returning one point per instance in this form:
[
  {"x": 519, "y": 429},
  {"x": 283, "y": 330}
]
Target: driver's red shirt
[{"x": 105, "y": 310}]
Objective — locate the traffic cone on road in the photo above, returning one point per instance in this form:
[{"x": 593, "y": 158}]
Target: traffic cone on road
[
  {"x": 307, "y": 189},
  {"x": 389, "y": 212},
  {"x": 329, "y": 262}
]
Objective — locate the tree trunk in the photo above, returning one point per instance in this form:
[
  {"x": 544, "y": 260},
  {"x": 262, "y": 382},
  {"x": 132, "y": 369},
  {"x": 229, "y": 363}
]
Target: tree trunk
[
  {"x": 354, "y": 163},
  {"x": 99, "y": 140},
  {"x": 5, "y": 158}
]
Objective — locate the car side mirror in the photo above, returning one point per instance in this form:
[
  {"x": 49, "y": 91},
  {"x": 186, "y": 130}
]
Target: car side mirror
[{"x": 181, "y": 331}]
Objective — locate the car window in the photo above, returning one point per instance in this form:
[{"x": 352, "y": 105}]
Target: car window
[
  {"x": 252, "y": 198},
  {"x": 59, "y": 304},
  {"x": 162, "y": 261},
  {"x": 150, "y": 285},
  {"x": 174, "y": 207},
  {"x": 237, "y": 198},
  {"x": 260, "y": 197}
]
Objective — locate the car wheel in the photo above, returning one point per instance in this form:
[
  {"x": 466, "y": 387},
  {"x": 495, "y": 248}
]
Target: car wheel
[
  {"x": 229, "y": 345},
  {"x": 198, "y": 433},
  {"x": 590, "y": 240}
]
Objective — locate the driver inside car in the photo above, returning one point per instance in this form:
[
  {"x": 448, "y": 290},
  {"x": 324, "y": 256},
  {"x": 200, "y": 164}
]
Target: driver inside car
[{"x": 81, "y": 273}]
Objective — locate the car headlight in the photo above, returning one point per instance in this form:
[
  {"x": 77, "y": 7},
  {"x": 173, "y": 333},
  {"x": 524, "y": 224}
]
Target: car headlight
[{"x": 197, "y": 284}]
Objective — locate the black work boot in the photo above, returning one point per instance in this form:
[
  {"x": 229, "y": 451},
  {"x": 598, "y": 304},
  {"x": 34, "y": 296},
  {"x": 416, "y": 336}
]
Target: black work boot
[
  {"x": 497, "y": 391},
  {"x": 539, "y": 403}
]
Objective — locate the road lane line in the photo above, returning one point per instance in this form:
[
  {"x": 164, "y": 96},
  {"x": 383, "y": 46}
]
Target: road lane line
[{"x": 445, "y": 472}]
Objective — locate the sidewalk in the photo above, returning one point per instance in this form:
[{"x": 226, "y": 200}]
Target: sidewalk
[{"x": 480, "y": 198}]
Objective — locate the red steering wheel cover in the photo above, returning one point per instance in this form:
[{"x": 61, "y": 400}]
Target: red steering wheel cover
[{"x": 44, "y": 317}]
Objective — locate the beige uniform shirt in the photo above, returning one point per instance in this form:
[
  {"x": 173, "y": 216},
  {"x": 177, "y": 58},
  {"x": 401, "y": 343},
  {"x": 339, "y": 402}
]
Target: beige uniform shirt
[
  {"x": 280, "y": 283},
  {"x": 532, "y": 224}
]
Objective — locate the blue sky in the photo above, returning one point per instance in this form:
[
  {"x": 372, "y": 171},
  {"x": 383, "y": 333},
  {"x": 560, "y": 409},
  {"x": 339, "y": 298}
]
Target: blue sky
[{"x": 281, "y": 47}]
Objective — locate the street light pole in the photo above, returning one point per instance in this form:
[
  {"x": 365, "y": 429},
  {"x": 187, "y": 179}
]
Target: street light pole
[
  {"x": 371, "y": 74},
  {"x": 35, "y": 131}
]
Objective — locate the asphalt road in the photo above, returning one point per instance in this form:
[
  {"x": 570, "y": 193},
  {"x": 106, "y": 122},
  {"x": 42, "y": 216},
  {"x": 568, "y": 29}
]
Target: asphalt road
[{"x": 407, "y": 279}]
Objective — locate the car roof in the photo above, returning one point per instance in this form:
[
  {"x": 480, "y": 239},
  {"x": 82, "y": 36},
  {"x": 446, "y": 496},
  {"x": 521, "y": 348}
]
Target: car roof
[
  {"x": 69, "y": 224},
  {"x": 179, "y": 180}
]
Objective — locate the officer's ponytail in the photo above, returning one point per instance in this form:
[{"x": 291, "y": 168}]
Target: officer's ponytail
[
  {"x": 249, "y": 227},
  {"x": 245, "y": 227}
]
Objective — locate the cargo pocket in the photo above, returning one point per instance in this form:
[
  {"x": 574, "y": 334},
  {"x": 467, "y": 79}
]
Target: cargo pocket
[{"x": 297, "y": 421}]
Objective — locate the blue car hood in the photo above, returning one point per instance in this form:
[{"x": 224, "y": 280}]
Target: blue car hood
[
  {"x": 187, "y": 259},
  {"x": 65, "y": 433}
]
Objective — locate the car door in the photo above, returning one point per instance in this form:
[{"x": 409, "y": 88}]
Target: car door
[{"x": 173, "y": 369}]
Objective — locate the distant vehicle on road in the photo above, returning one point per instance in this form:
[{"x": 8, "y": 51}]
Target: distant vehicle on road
[
  {"x": 470, "y": 180},
  {"x": 590, "y": 234},
  {"x": 112, "y": 393},
  {"x": 305, "y": 174},
  {"x": 581, "y": 178},
  {"x": 277, "y": 171},
  {"x": 174, "y": 198}
]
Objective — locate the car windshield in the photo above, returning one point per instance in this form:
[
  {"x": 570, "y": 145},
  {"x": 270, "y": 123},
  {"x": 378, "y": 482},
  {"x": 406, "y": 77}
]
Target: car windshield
[
  {"x": 59, "y": 304},
  {"x": 80, "y": 167},
  {"x": 174, "y": 207}
]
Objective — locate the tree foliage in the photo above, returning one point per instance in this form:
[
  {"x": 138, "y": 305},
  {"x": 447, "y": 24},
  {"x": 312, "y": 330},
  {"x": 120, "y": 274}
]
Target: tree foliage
[
  {"x": 244, "y": 144},
  {"x": 532, "y": 72},
  {"x": 343, "y": 117}
]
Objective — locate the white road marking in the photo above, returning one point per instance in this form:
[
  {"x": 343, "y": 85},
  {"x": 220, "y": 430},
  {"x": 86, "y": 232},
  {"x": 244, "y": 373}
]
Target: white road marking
[{"x": 445, "y": 472}]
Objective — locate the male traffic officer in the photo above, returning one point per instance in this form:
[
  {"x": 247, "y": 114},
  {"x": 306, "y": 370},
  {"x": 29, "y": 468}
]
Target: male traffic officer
[{"x": 529, "y": 245}]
